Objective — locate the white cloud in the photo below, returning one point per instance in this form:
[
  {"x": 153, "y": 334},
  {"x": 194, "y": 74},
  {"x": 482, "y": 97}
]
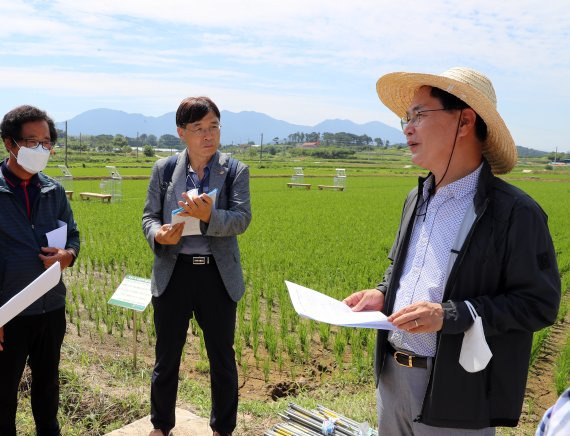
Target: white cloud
[{"x": 316, "y": 56}]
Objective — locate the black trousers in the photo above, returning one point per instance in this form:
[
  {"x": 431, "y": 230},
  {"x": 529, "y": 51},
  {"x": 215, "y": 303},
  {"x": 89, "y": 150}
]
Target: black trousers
[
  {"x": 37, "y": 339},
  {"x": 195, "y": 290}
]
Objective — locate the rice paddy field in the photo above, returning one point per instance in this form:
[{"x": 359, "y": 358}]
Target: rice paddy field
[{"x": 334, "y": 242}]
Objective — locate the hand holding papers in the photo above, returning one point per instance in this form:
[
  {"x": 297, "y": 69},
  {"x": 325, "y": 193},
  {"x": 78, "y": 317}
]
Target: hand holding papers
[
  {"x": 192, "y": 225},
  {"x": 46, "y": 281},
  {"x": 314, "y": 305}
]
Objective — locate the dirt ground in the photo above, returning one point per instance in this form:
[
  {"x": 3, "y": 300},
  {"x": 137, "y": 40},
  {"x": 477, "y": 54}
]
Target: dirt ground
[{"x": 254, "y": 385}]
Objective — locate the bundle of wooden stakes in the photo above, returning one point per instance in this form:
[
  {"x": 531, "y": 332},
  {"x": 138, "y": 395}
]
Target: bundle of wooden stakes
[{"x": 302, "y": 422}]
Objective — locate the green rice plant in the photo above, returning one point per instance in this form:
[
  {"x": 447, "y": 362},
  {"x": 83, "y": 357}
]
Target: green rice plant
[
  {"x": 338, "y": 348},
  {"x": 266, "y": 368},
  {"x": 562, "y": 368},
  {"x": 270, "y": 337},
  {"x": 538, "y": 339},
  {"x": 291, "y": 345},
  {"x": 324, "y": 334},
  {"x": 245, "y": 330},
  {"x": 304, "y": 338}
]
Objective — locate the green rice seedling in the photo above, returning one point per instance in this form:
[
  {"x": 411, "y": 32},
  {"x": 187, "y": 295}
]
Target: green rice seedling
[
  {"x": 324, "y": 334},
  {"x": 270, "y": 337},
  {"x": 266, "y": 368},
  {"x": 255, "y": 343},
  {"x": 304, "y": 338},
  {"x": 338, "y": 348},
  {"x": 291, "y": 344},
  {"x": 246, "y": 333},
  {"x": 202, "y": 345},
  {"x": 562, "y": 368}
]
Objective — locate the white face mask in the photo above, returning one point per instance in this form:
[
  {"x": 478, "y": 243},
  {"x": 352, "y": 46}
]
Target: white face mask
[{"x": 33, "y": 160}]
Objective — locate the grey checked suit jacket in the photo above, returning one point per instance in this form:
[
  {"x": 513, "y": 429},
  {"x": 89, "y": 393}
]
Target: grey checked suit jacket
[{"x": 230, "y": 217}]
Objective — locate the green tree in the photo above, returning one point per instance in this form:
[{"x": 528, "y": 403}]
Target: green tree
[
  {"x": 151, "y": 139},
  {"x": 119, "y": 141},
  {"x": 169, "y": 141},
  {"x": 379, "y": 142},
  {"x": 148, "y": 151}
]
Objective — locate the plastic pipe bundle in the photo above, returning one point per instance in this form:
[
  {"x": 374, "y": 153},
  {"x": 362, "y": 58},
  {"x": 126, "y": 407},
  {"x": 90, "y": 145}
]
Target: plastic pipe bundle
[{"x": 298, "y": 421}]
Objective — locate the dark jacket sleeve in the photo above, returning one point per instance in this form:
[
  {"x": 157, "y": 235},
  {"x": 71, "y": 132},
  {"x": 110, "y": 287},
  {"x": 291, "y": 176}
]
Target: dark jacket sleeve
[
  {"x": 527, "y": 295},
  {"x": 152, "y": 213},
  {"x": 66, "y": 215}
]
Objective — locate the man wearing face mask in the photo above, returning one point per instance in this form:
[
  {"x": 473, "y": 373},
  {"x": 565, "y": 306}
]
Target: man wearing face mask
[{"x": 31, "y": 204}]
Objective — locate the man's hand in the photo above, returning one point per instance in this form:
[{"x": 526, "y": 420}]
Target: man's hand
[
  {"x": 1, "y": 338},
  {"x": 52, "y": 255},
  {"x": 369, "y": 299},
  {"x": 197, "y": 206},
  {"x": 169, "y": 235},
  {"x": 420, "y": 317}
]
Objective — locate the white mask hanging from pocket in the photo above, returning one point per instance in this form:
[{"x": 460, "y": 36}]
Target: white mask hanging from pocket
[{"x": 475, "y": 353}]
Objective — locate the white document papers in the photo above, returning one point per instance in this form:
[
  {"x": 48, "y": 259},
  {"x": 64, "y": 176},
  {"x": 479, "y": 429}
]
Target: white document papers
[
  {"x": 133, "y": 293},
  {"x": 58, "y": 238},
  {"x": 320, "y": 307},
  {"x": 192, "y": 225},
  {"x": 46, "y": 281}
]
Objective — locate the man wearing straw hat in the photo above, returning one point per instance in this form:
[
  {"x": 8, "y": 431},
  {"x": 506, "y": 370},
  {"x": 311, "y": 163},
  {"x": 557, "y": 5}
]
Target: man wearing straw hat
[{"x": 466, "y": 237}]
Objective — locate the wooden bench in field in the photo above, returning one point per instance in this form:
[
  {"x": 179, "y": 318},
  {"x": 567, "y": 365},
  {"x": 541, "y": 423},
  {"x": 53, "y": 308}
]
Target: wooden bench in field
[
  {"x": 88, "y": 195},
  {"x": 335, "y": 187},
  {"x": 69, "y": 194},
  {"x": 302, "y": 185}
]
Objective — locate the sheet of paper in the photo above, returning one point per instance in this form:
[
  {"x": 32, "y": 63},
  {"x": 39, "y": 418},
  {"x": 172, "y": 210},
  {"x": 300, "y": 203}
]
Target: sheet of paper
[
  {"x": 192, "y": 225},
  {"x": 133, "y": 293},
  {"x": 46, "y": 281},
  {"x": 58, "y": 237},
  {"x": 320, "y": 307}
]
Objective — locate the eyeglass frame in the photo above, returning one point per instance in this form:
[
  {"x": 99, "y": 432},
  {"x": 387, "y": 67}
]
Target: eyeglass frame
[
  {"x": 36, "y": 142},
  {"x": 204, "y": 131},
  {"x": 416, "y": 118}
]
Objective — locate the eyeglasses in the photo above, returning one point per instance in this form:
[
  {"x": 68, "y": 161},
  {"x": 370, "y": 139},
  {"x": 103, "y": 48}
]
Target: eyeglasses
[
  {"x": 34, "y": 143},
  {"x": 416, "y": 117},
  {"x": 203, "y": 131}
]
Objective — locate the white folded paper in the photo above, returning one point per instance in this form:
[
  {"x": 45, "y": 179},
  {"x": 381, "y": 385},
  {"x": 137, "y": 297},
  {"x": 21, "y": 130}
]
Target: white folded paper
[
  {"x": 58, "y": 238},
  {"x": 46, "y": 281},
  {"x": 320, "y": 307}
]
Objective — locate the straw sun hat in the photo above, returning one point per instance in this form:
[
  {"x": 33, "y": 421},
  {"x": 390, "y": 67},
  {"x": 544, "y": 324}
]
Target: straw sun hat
[{"x": 396, "y": 90}]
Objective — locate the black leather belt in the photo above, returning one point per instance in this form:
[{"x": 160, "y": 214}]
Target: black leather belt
[
  {"x": 195, "y": 259},
  {"x": 406, "y": 359}
]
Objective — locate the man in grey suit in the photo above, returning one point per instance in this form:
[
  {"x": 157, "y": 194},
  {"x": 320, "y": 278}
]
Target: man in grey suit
[{"x": 196, "y": 275}]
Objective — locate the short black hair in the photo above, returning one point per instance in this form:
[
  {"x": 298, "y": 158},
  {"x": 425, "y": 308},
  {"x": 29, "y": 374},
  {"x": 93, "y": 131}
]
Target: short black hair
[
  {"x": 193, "y": 109},
  {"x": 451, "y": 102},
  {"x": 11, "y": 126}
]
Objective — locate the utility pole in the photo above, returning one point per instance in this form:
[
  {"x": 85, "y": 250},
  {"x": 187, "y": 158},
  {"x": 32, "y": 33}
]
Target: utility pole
[
  {"x": 261, "y": 150},
  {"x": 66, "y": 143}
]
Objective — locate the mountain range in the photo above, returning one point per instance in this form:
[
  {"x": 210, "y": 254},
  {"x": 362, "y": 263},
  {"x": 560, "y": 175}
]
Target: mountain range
[{"x": 237, "y": 127}]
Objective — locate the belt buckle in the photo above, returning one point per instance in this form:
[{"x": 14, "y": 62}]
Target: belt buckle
[
  {"x": 199, "y": 260},
  {"x": 409, "y": 356}
]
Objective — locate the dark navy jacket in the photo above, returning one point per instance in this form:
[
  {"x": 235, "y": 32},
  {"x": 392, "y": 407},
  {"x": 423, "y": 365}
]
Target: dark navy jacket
[{"x": 21, "y": 239}]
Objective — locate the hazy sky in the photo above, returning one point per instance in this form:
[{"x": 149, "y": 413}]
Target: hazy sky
[{"x": 299, "y": 61}]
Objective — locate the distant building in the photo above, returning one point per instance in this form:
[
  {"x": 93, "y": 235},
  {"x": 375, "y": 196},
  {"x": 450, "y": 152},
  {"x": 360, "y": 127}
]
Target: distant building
[{"x": 310, "y": 144}]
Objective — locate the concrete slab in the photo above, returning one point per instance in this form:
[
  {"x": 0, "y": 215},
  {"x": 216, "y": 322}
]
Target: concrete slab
[{"x": 187, "y": 424}]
